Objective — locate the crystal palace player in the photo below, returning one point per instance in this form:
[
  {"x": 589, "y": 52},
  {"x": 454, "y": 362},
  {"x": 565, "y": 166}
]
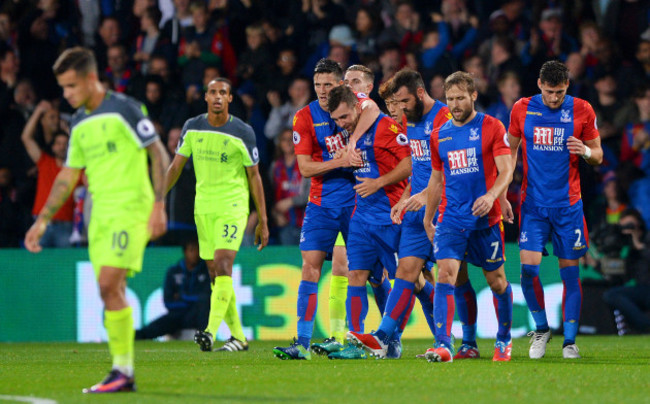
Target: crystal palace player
[
  {"x": 331, "y": 201},
  {"x": 380, "y": 183},
  {"x": 466, "y": 154},
  {"x": 424, "y": 113},
  {"x": 552, "y": 127}
]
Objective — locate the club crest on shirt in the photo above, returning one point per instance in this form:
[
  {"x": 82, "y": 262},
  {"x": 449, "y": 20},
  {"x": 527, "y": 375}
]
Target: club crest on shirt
[
  {"x": 367, "y": 141},
  {"x": 428, "y": 127},
  {"x": 473, "y": 134},
  {"x": 565, "y": 116},
  {"x": 523, "y": 238}
]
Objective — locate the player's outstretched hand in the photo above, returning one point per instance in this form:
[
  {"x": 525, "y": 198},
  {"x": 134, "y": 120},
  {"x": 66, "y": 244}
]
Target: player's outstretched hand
[
  {"x": 415, "y": 202},
  {"x": 396, "y": 212},
  {"x": 261, "y": 235},
  {"x": 157, "y": 220},
  {"x": 575, "y": 146},
  {"x": 506, "y": 211},
  {"x": 366, "y": 186},
  {"x": 483, "y": 205},
  {"x": 34, "y": 234}
]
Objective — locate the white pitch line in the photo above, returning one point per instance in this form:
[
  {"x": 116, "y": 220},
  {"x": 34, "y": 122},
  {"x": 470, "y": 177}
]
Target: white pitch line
[{"x": 28, "y": 399}]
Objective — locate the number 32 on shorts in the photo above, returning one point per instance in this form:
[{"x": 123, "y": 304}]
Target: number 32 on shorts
[{"x": 229, "y": 231}]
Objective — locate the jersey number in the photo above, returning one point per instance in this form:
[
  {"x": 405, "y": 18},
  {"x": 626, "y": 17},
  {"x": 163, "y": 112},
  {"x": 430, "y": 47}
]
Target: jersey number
[
  {"x": 229, "y": 229},
  {"x": 578, "y": 243},
  {"x": 120, "y": 240},
  {"x": 496, "y": 249}
]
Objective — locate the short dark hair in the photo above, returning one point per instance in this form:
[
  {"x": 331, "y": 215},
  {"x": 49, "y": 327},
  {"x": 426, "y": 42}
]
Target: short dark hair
[
  {"x": 339, "y": 95},
  {"x": 367, "y": 73},
  {"x": 554, "y": 73},
  {"x": 408, "y": 78},
  {"x": 79, "y": 59},
  {"x": 325, "y": 66},
  {"x": 387, "y": 89},
  {"x": 635, "y": 214},
  {"x": 153, "y": 13},
  {"x": 462, "y": 80},
  {"x": 60, "y": 132},
  {"x": 223, "y": 80}
]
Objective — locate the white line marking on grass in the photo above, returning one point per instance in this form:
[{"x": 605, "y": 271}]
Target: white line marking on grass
[{"x": 28, "y": 399}]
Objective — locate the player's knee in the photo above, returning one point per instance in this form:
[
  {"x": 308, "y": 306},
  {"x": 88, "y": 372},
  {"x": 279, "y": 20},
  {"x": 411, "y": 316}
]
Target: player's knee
[
  {"x": 357, "y": 278},
  {"x": 498, "y": 284},
  {"x": 529, "y": 271},
  {"x": 310, "y": 272},
  {"x": 108, "y": 290},
  {"x": 570, "y": 273}
]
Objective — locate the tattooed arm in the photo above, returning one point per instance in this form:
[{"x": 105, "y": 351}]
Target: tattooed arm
[{"x": 63, "y": 185}]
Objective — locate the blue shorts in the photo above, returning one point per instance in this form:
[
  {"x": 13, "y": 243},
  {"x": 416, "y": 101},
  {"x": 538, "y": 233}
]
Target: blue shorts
[
  {"x": 483, "y": 248},
  {"x": 321, "y": 226},
  {"x": 565, "y": 226},
  {"x": 371, "y": 244},
  {"x": 414, "y": 241}
]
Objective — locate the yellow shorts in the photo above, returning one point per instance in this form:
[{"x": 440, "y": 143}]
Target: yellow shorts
[
  {"x": 118, "y": 242},
  {"x": 219, "y": 231}
]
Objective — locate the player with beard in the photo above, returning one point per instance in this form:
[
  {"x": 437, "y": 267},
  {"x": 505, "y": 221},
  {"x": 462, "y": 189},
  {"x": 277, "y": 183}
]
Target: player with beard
[{"x": 471, "y": 170}]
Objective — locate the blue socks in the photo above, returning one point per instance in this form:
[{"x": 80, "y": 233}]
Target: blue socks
[
  {"x": 382, "y": 292},
  {"x": 465, "y": 297},
  {"x": 307, "y": 304},
  {"x": 503, "y": 309},
  {"x": 572, "y": 302},
  {"x": 398, "y": 303},
  {"x": 443, "y": 312},
  {"x": 357, "y": 307},
  {"x": 425, "y": 296},
  {"x": 534, "y": 295}
]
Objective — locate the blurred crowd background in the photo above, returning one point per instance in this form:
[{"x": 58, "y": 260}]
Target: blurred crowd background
[{"x": 164, "y": 52}]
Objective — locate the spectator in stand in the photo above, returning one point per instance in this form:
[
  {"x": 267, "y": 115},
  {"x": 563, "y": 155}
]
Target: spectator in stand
[
  {"x": 285, "y": 71},
  {"x": 578, "y": 83},
  {"x": 437, "y": 87},
  {"x": 590, "y": 37},
  {"x": 186, "y": 294},
  {"x": 11, "y": 228},
  {"x": 463, "y": 27},
  {"x": 503, "y": 59},
  {"x": 291, "y": 191},
  {"x": 37, "y": 54},
  {"x": 634, "y": 301},
  {"x": 150, "y": 41},
  {"x": 202, "y": 45},
  {"x": 60, "y": 228},
  {"x": 165, "y": 111},
  {"x": 474, "y": 65},
  {"x": 109, "y": 34},
  {"x": 182, "y": 19},
  {"x": 635, "y": 145},
  {"x": 9, "y": 68},
  {"x": 434, "y": 55},
  {"x": 367, "y": 27},
  {"x": 612, "y": 203},
  {"x": 509, "y": 93},
  {"x": 390, "y": 61},
  {"x": 547, "y": 41},
  {"x": 281, "y": 115},
  {"x": 254, "y": 62},
  {"x": 405, "y": 30},
  {"x": 118, "y": 71},
  {"x": 609, "y": 110}
]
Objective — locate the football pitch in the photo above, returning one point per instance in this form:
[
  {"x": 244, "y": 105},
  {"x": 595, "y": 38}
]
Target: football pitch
[{"x": 612, "y": 369}]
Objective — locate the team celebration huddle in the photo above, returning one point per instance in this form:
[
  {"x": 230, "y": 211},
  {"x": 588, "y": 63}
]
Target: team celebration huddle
[
  {"x": 402, "y": 201},
  {"x": 424, "y": 186}
]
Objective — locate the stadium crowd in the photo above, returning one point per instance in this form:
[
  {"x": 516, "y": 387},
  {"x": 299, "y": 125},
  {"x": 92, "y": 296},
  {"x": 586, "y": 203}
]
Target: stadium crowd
[{"x": 164, "y": 53}]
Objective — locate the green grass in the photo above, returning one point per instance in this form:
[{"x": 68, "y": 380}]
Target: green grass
[{"x": 612, "y": 369}]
